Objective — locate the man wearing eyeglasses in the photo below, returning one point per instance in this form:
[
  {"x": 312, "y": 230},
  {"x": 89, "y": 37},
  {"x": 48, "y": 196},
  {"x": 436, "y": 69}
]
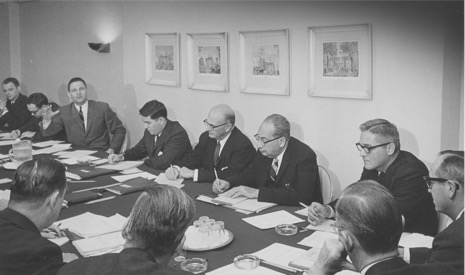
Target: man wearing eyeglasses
[
  {"x": 446, "y": 187},
  {"x": 399, "y": 171},
  {"x": 13, "y": 110},
  {"x": 284, "y": 170},
  {"x": 223, "y": 150},
  {"x": 164, "y": 141}
]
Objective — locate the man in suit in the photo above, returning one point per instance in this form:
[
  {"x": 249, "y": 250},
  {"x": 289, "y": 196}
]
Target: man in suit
[
  {"x": 164, "y": 141},
  {"x": 37, "y": 193},
  {"x": 36, "y": 104},
  {"x": 446, "y": 187},
  {"x": 369, "y": 226},
  {"x": 223, "y": 147},
  {"x": 284, "y": 170},
  {"x": 399, "y": 171},
  {"x": 16, "y": 113},
  {"x": 88, "y": 123},
  {"x": 154, "y": 232}
]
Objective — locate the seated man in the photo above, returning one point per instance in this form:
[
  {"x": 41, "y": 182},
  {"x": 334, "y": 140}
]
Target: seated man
[
  {"x": 399, "y": 171},
  {"x": 88, "y": 124},
  {"x": 284, "y": 170},
  {"x": 446, "y": 187},
  {"x": 369, "y": 226},
  {"x": 37, "y": 193},
  {"x": 36, "y": 104},
  {"x": 223, "y": 147},
  {"x": 154, "y": 232},
  {"x": 164, "y": 141},
  {"x": 16, "y": 113}
]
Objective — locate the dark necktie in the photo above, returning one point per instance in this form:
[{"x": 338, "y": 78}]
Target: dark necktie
[
  {"x": 155, "y": 140},
  {"x": 274, "y": 169},
  {"x": 81, "y": 116},
  {"x": 216, "y": 156}
]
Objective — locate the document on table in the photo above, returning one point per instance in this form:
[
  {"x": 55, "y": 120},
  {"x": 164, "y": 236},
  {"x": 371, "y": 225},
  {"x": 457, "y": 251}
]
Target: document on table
[
  {"x": 145, "y": 175},
  {"x": 89, "y": 225},
  {"x": 5, "y": 195},
  {"x": 99, "y": 245},
  {"x": 2, "y": 156},
  {"x": 252, "y": 205},
  {"x": 27, "y": 134},
  {"x": 416, "y": 240},
  {"x": 5, "y": 135},
  {"x": 52, "y": 149},
  {"x": 317, "y": 239},
  {"x": 85, "y": 159},
  {"x": 271, "y": 220},
  {"x": 231, "y": 269},
  {"x": 59, "y": 241},
  {"x": 46, "y": 143},
  {"x": 161, "y": 179},
  {"x": 123, "y": 165},
  {"x": 279, "y": 254},
  {"x": 324, "y": 225},
  {"x": 221, "y": 199},
  {"x": 306, "y": 259},
  {"x": 5, "y": 180},
  {"x": 8, "y": 142},
  {"x": 131, "y": 171},
  {"x": 303, "y": 211},
  {"x": 74, "y": 154}
]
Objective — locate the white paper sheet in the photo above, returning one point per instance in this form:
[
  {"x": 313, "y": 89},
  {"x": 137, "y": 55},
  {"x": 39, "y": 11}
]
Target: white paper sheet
[
  {"x": 89, "y": 225},
  {"x": 324, "y": 225},
  {"x": 7, "y": 142},
  {"x": 123, "y": 178},
  {"x": 53, "y": 149},
  {"x": 231, "y": 269},
  {"x": 416, "y": 240},
  {"x": 252, "y": 205},
  {"x": 47, "y": 143},
  {"x": 100, "y": 244},
  {"x": 161, "y": 179},
  {"x": 317, "y": 239},
  {"x": 270, "y": 220},
  {"x": 279, "y": 253},
  {"x": 74, "y": 154},
  {"x": 5, "y": 180},
  {"x": 73, "y": 161},
  {"x": 123, "y": 165}
]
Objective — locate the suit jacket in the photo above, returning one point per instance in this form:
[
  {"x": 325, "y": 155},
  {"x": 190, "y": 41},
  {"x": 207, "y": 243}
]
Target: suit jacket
[
  {"x": 297, "y": 179},
  {"x": 33, "y": 125},
  {"x": 237, "y": 153},
  {"x": 129, "y": 261},
  {"x": 17, "y": 115},
  {"x": 101, "y": 122},
  {"x": 23, "y": 250},
  {"x": 447, "y": 247},
  {"x": 172, "y": 145},
  {"x": 397, "y": 266}
]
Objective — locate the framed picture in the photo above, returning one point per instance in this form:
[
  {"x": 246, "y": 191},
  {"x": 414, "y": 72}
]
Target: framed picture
[
  {"x": 162, "y": 59},
  {"x": 264, "y": 63},
  {"x": 340, "y": 61},
  {"x": 207, "y": 58}
]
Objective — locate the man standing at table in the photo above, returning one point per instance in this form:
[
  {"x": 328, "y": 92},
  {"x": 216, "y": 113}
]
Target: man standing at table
[
  {"x": 284, "y": 170},
  {"x": 37, "y": 193},
  {"x": 399, "y": 171},
  {"x": 222, "y": 147},
  {"x": 164, "y": 141},
  {"x": 88, "y": 123},
  {"x": 446, "y": 187},
  {"x": 13, "y": 111},
  {"x": 36, "y": 104}
]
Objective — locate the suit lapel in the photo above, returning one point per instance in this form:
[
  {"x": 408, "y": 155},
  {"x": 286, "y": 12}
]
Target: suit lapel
[
  {"x": 227, "y": 146},
  {"x": 90, "y": 114},
  {"x": 284, "y": 163},
  {"x": 164, "y": 134}
]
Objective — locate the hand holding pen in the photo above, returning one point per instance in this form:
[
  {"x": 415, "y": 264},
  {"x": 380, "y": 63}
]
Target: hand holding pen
[
  {"x": 219, "y": 186},
  {"x": 115, "y": 158},
  {"x": 52, "y": 232},
  {"x": 172, "y": 173}
]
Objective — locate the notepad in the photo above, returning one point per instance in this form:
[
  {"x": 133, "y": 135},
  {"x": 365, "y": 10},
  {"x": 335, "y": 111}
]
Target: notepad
[
  {"x": 132, "y": 185},
  {"x": 317, "y": 239},
  {"x": 306, "y": 259},
  {"x": 75, "y": 198},
  {"x": 100, "y": 245},
  {"x": 270, "y": 220},
  {"x": 82, "y": 172},
  {"x": 89, "y": 225},
  {"x": 227, "y": 200},
  {"x": 279, "y": 253},
  {"x": 161, "y": 179},
  {"x": 323, "y": 225}
]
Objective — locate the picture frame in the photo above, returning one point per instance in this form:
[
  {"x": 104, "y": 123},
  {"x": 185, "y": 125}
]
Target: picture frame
[
  {"x": 162, "y": 59},
  {"x": 340, "y": 61},
  {"x": 207, "y": 58},
  {"x": 264, "y": 62}
]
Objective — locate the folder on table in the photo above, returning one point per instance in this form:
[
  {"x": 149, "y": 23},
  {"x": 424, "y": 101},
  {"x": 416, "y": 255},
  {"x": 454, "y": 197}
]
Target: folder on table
[
  {"x": 74, "y": 198},
  {"x": 82, "y": 172},
  {"x": 132, "y": 185}
]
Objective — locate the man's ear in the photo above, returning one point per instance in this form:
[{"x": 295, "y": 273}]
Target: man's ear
[
  {"x": 391, "y": 148},
  {"x": 452, "y": 188},
  {"x": 347, "y": 240},
  {"x": 53, "y": 199}
]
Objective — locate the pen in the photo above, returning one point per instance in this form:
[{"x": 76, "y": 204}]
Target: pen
[
  {"x": 303, "y": 204},
  {"x": 100, "y": 200},
  {"x": 85, "y": 181},
  {"x": 279, "y": 266},
  {"x": 171, "y": 165},
  {"x": 98, "y": 187},
  {"x": 216, "y": 174}
]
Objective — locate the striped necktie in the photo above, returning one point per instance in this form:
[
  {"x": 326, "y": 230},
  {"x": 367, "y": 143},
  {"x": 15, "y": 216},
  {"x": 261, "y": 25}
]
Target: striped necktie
[
  {"x": 274, "y": 169},
  {"x": 216, "y": 156},
  {"x": 81, "y": 116}
]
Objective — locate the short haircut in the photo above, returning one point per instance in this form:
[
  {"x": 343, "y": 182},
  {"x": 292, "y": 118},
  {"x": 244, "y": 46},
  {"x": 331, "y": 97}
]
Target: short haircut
[
  {"x": 383, "y": 128},
  {"x": 11, "y": 80},
  {"x": 35, "y": 180},
  {"x": 450, "y": 168},
  {"x": 369, "y": 211},
  {"x": 159, "y": 219},
  {"x": 38, "y": 99},
  {"x": 282, "y": 127},
  {"x": 76, "y": 79},
  {"x": 453, "y": 152},
  {"x": 154, "y": 109},
  {"x": 230, "y": 117}
]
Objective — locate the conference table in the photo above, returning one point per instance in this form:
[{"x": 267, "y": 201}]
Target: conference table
[{"x": 247, "y": 238}]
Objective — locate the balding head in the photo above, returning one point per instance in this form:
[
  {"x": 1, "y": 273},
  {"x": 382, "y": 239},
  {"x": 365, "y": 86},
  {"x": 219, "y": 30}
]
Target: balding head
[
  {"x": 224, "y": 113},
  {"x": 220, "y": 121}
]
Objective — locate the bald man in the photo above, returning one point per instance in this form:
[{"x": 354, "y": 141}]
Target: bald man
[{"x": 222, "y": 147}]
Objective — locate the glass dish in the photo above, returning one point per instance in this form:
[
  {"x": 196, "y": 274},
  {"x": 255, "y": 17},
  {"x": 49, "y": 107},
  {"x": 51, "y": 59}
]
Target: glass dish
[
  {"x": 246, "y": 261},
  {"x": 286, "y": 229},
  {"x": 195, "y": 265}
]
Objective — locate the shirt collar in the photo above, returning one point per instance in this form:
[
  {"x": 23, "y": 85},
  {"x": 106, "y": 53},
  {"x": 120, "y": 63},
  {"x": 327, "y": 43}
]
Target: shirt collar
[
  {"x": 460, "y": 214},
  {"x": 84, "y": 106},
  {"x": 223, "y": 141},
  {"x": 366, "y": 268}
]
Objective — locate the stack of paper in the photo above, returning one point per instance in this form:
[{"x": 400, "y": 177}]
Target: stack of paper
[
  {"x": 161, "y": 179},
  {"x": 89, "y": 225},
  {"x": 99, "y": 245},
  {"x": 273, "y": 219},
  {"x": 317, "y": 239},
  {"x": 8, "y": 142},
  {"x": 306, "y": 259}
]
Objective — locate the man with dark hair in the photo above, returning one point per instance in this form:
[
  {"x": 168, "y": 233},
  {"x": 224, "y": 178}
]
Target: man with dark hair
[
  {"x": 154, "y": 232},
  {"x": 369, "y": 227},
  {"x": 399, "y": 171},
  {"x": 164, "y": 141},
  {"x": 36, "y": 104},
  {"x": 88, "y": 123},
  {"x": 14, "y": 111},
  {"x": 36, "y": 198},
  {"x": 446, "y": 187},
  {"x": 284, "y": 170},
  {"x": 222, "y": 147}
]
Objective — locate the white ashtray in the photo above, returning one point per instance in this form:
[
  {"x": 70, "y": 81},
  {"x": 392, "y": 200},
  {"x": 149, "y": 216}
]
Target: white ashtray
[
  {"x": 246, "y": 261},
  {"x": 286, "y": 229}
]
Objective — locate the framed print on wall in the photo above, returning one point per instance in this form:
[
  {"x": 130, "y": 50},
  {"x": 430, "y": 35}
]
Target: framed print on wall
[
  {"x": 162, "y": 59},
  {"x": 207, "y": 58},
  {"x": 340, "y": 61},
  {"x": 264, "y": 62}
]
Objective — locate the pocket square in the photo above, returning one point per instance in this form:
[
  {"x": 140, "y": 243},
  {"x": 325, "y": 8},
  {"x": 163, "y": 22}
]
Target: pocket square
[{"x": 160, "y": 153}]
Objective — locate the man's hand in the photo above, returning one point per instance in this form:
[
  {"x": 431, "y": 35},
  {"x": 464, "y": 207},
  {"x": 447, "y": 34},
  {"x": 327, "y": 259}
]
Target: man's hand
[
  {"x": 172, "y": 173},
  {"x": 15, "y": 134},
  {"x": 53, "y": 232},
  {"x": 187, "y": 173},
  {"x": 68, "y": 257},
  {"x": 219, "y": 186},
  {"x": 114, "y": 158},
  {"x": 48, "y": 114},
  {"x": 317, "y": 212},
  {"x": 239, "y": 191},
  {"x": 110, "y": 151},
  {"x": 332, "y": 259}
]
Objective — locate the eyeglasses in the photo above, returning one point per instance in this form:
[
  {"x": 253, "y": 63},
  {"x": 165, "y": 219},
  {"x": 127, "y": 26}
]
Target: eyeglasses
[
  {"x": 429, "y": 182},
  {"x": 336, "y": 228},
  {"x": 211, "y": 126},
  {"x": 368, "y": 149},
  {"x": 34, "y": 112},
  {"x": 263, "y": 141}
]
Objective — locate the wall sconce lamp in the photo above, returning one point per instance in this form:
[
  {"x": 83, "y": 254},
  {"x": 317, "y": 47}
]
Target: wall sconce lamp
[{"x": 100, "y": 47}]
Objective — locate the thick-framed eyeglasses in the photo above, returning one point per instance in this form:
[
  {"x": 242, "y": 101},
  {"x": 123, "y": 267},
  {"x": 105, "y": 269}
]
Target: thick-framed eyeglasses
[
  {"x": 34, "y": 112},
  {"x": 262, "y": 141},
  {"x": 429, "y": 182},
  {"x": 211, "y": 126},
  {"x": 368, "y": 149},
  {"x": 336, "y": 228}
]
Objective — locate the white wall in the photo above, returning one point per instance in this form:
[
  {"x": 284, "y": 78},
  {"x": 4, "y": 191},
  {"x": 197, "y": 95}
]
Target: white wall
[
  {"x": 4, "y": 43},
  {"x": 408, "y": 67}
]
